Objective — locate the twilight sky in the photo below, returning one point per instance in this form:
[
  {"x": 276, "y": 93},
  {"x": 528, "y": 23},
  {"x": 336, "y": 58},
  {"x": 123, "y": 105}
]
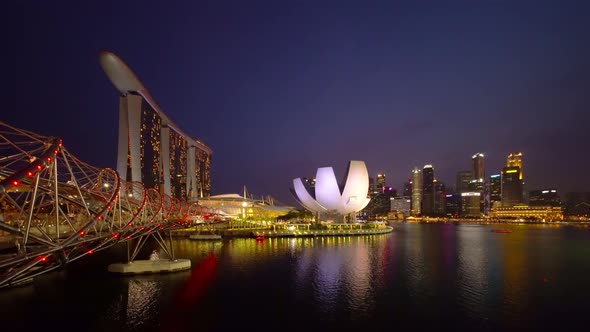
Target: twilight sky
[{"x": 280, "y": 88}]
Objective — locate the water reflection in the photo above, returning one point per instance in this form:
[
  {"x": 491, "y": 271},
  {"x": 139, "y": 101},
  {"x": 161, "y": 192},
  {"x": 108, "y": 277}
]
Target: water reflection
[
  {"x": 422, "y": 275},
  {"x": 472, "y": 270}
]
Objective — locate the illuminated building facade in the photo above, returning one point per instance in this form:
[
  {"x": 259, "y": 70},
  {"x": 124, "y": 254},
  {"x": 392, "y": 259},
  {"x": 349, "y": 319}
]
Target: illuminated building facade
[
  {"x": 416, "y": 192},
  {"x": 439, "y": 197},
  {"x": 544, "y": 197},
  {"x": 401, "y": 204},
  {"x": 327, "y": 195},
  {"x": 515, "y": 160},
  {"x": 478, "y": 168},
  {"x": 495, "y": 190},
  {"x": 511, "y": 186},
  {"x": 381, "y": 182},
  {"x": 471, "y": 204},
  {"x": 546, "y": 213},
  {"x": 463, "y": 179},
  {"x": 453, "y": 205},
  {"x": 151, "y": 148},
  {"x": 408, "y": 188},
  {"x": 428, "y": 190},
  {"x": 371, "y": 186}
]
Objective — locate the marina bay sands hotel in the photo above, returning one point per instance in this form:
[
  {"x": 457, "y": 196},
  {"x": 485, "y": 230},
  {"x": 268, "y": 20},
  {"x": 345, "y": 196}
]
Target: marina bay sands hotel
[{"x": 151, "y": 148}]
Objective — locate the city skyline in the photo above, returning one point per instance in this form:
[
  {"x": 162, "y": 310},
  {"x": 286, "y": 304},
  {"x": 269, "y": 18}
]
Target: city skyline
[{"x": 279, "y": 90}]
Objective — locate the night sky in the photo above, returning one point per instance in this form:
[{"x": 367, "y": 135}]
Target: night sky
[{"x": 280, "y": 88}]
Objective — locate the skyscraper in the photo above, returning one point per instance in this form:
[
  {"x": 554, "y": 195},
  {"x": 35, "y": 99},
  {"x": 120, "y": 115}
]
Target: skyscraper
[
  {"x": 439, "y": 197},
  {"x": 478, "y": 166},
  {"x": 463, "y": 179},
  {"x": 380, "y": 182},
  {"x": 371, "y": 186},
  {"x": 416, "y": 192},
  {"x": 151, "y": 148},
  {"x": 408, "y": 188},
  {"x": 495, "y": 190},
  {"x": 511, "y": 186},
  {"x": 515, "y": 160},
  {"x": 428, "y": 190}
]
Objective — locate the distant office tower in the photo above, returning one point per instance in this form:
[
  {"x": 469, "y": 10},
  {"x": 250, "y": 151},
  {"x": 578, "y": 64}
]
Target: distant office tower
[
  {"x": 511, "y": 186},
  {"x": 408, "y": 188},
  {"x": 453, "y": 204},
  {"x": 515, "y": 160},
  {"x": 428, "y": 190},
  {"x": 545, "y": 197},
  {"x": 152, "y": 149},
  {"x": 416, "y": 192},
  {"x": 381, "y": 182},
  {"x": 401, "y": 204},
  {"x": 478, "y": 166},
  {"x": 487, "y": 203},
  {"x": 495, "y": 190},
  {"x": 439, "y": 197},
  {"x": 371, "y": 186},
  {"x": 463, "y": 179},
  {"x": 470, "y": 204}
]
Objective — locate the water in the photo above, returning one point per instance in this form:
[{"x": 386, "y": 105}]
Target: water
[{"x": 437, "y": 276}]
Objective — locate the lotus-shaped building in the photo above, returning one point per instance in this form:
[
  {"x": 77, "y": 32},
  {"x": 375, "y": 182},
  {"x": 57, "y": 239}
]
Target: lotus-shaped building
[{"x": 329, "y": 196}]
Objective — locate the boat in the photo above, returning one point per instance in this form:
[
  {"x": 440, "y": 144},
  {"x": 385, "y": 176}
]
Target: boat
[
  {"x": 502, "y": 230},
  {"x": 260, "y": 237}
]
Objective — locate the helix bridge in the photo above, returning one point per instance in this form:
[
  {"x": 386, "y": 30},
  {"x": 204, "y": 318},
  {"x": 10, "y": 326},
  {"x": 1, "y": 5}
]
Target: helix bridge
[{"x": 55, "y": 208}]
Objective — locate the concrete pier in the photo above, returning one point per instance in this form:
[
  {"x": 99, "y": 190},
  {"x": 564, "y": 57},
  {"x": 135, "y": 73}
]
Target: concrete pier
[{"x": 150, "y": 266}]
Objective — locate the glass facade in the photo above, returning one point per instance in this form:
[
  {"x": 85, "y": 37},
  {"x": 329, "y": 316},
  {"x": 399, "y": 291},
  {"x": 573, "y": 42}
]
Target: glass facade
[
  {"x": 151, "y": 125},
  {"x": 178, "y": 165}
]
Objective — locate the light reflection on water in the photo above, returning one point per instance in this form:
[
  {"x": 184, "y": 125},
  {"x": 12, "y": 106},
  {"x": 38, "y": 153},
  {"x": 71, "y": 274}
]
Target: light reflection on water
[{"x": 421, "y": 275}]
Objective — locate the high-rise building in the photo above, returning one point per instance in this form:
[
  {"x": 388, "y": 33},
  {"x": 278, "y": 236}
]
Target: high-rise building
[
  {"x": 544, "y": 197},
  {"x": 470, "y": 204},
  {"x": 381, "y": 182},
  {"x": 495, "y": 190},
  {"x": 428, "y": 190},
  {"x": 463, "y": 179},
  {"x": 511, "y": 186},
  {"x": 416, "y": 191},
  {"x": 401, "y": 204},
  {"x": 408, "y": 188},
  {"x": 515, "y": 160},
  {"x": 453, "y": 205},
  {"x": 151, "y": 148},
  {"x": 371, "y": 186},
  {"x": 439, "y": 198},
  {"x": 478, "y": 169}
]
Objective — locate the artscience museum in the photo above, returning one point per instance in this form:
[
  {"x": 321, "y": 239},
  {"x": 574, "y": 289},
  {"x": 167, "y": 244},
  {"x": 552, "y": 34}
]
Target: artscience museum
[{"x": 329, "y": 196}]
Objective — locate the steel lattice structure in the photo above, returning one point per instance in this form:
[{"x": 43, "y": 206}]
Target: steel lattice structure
[{"x": 55, "y": 209}]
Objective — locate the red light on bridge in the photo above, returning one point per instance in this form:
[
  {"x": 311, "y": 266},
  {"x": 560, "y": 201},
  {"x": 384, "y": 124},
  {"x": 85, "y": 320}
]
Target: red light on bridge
[
  {"x": 90, "y": 252},
  {"x": 43, "y": 258},
  {"x": 29, "y": 173},
  {"x": 82, "y": 233},
  {"x": 99, "y": 218},
  {"x": 116, "y": 236},
  {"x": 16, "y": 183},
  {"x": 49, "y": 159},
  {"x": 39, "y": 167}
]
